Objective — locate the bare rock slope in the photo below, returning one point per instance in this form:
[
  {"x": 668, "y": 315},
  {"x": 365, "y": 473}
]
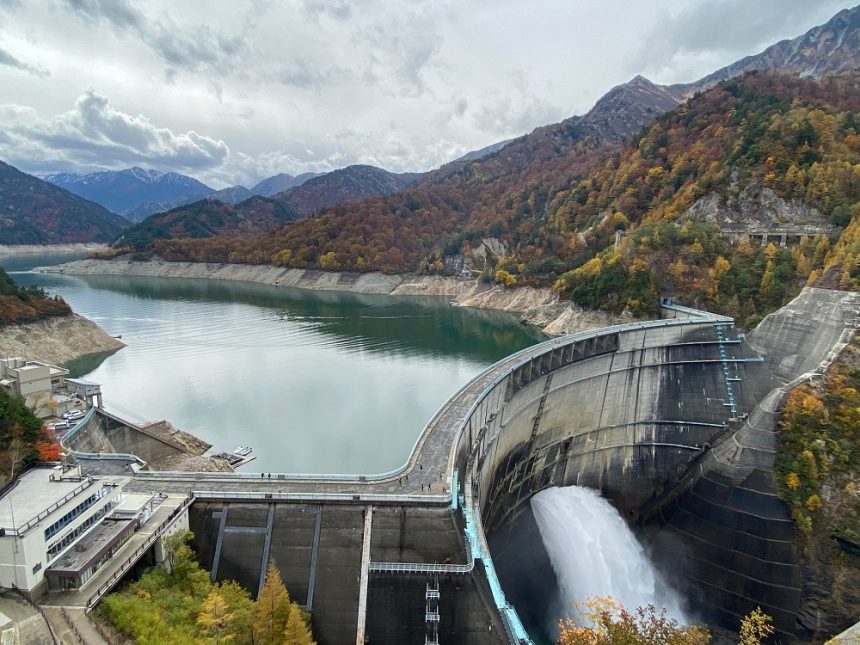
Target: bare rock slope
[{"x": 56, "y": 340}]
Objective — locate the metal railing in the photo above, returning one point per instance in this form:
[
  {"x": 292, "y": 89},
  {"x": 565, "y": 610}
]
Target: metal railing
[
  {"x": 123, "y": 456},
  {"x": 322, "y": 497},
  {"x": 420, "y": 567},
  {"x": 77, "y": 428},
  {"x": 39, "y": 609},
  {"x": 134, "y": 557},
  {"x": 20, "y": 530}
]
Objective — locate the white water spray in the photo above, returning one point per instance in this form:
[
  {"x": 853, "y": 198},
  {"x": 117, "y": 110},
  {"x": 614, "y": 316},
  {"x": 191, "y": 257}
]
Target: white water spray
[{"x": 594, "y": 553}]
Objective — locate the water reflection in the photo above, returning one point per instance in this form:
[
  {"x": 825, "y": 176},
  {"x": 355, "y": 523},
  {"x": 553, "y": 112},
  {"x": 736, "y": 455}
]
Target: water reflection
[
  {"x": 419, "y": 326},
  {"x": 313, "y": 381}
]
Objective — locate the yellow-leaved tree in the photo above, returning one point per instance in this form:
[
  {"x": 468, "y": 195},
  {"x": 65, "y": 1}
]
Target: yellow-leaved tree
[
  {"x": 297, "y": 632},
  {"x": 272, "y": 610},
  {"x": 215, "y": 617}
]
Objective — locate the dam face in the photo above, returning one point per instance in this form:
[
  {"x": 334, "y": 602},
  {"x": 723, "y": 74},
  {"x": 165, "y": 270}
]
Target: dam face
[
  {"x": 628, "y": 412},
  {"x": 626, "y": 418},
  {"x": 673, "y": 420}
]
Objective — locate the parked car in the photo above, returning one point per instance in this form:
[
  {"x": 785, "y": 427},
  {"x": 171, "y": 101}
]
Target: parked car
[
  {"x": 73, "y": 414},
  {"x": 61, "y": 425}
]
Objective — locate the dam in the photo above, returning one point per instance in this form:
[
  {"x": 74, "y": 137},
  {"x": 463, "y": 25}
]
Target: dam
[{"x": 672, "y": 420}]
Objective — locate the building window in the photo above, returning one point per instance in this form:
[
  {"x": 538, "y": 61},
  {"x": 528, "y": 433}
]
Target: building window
[
  {"x": 66, "y": 540},
  {"x": 37, "y": 567},
  {"x": 66, "y": 519}
]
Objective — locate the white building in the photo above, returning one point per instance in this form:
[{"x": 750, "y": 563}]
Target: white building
[
  {"x": 42, "y": 515},
  {"x": 35, "y": 381}
]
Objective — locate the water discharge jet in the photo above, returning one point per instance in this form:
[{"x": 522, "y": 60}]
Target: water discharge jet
[{"x": 594, "y": 553}]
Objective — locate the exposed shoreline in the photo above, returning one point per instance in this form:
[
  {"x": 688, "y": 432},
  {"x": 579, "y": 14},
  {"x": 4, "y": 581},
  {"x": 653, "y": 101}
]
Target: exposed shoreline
[
  {"x": 26, "y": 249},
  {"x": 540, "y": 307},
  {"x": 57, "y": 340}
]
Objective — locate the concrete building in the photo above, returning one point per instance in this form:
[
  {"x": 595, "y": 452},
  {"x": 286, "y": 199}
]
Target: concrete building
[
  {"x": 76, "y": 565},
  {"x": 37, "y": 382},
  {"x": 43, "y": 517},
  {"x": 86, "y": 390}
]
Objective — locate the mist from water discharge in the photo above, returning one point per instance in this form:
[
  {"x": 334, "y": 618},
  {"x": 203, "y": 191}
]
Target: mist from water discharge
[{"x": 594, "y": 553}]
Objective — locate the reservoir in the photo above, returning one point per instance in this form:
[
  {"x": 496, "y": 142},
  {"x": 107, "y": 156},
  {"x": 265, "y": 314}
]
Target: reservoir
[{"x": 313, "y": 381}]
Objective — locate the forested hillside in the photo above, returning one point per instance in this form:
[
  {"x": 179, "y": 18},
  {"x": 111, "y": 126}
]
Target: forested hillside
[
  {"x": 211, "y": 217},
  {"x": 208, "y": 218},
  {"x": 556, "y": 198},
  {"x": 20, "y": 305},
  {"x": 33, "y": 211}
]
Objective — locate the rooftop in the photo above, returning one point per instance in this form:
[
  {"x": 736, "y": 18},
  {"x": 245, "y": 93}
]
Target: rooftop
[
  {"x": 33, "y": 494},
  {"x": 81, "y": 381},
  {"x": 91, "y": 546},
  {"x": 132, "y": 503}
]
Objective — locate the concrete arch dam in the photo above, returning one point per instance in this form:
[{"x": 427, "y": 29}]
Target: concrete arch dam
[{"x": 671, "y": 419}]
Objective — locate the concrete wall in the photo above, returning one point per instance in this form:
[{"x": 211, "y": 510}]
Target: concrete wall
[
  {"x": 642, "y": 415},
  {"x": 396, "y": 605},
  {"x": 106, "y": 433},
  {"x": 626, "y": 421},
  {"x": 235, "y": 547},
  {"x": 233, "y": 540},
  {"x": 633, "y": 414},
  {"x": 727, "y": 533},
  {"x": 672, "y": 421}
]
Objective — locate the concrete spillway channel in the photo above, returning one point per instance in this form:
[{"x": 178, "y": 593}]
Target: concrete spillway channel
[{"x": 672, "y": 420}]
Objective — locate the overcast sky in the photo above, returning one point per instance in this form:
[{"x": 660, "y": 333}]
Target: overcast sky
[{"x": 231, "y": 91}]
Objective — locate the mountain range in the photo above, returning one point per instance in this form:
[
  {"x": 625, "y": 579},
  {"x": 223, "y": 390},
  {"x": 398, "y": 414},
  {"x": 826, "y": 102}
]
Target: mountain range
[
  {"x": 256, "y": 214},
  {"x": 554, "y": 153},
  {"x": 121, "y": 190},
  {"x": 33, "y": 211},
  {"x": 614, "y": 225},
  {"x": 136, "y": 193}
]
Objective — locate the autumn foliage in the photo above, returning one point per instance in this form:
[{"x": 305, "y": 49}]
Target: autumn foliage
[
  {"x": 20, "y": 305},
  {"x": 23, "y": 439},
  {"x": 557, "y": 197},
  {"x": 818, "y": 463},
  {"x": 179, "y": 604},
  {"x": 609, "y": 623},
  {"x": 47, "y": 449},
  {"x": 606, "y": 622}
]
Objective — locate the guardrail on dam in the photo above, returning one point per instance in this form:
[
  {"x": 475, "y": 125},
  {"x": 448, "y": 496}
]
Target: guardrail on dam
[{"x": 641, "y": 411}]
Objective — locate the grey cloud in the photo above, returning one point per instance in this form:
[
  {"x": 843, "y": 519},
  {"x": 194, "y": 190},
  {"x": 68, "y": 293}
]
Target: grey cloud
[
  {"x": 118, "y": 13},
  {"x": 302, "y": 73},
  {"x": 10, "y": 61},
  {"x": 515, "y": 111},
  {"x": 337, "y": 9},
  {"x": 405, "y": 47},
  {"x": 203, "y": 49},
  {"x": 94, "y": 133}
]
